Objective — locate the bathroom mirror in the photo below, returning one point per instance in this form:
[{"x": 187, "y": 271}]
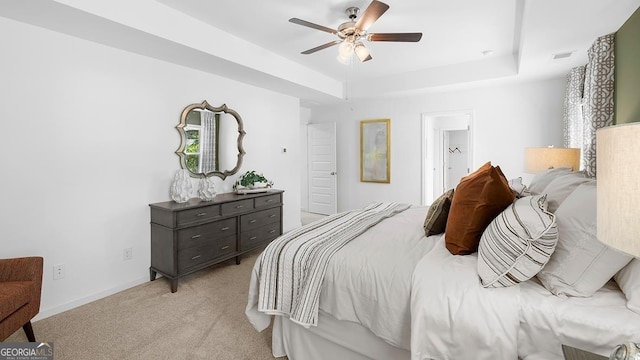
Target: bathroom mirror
[{"x": 210, "y": 140}]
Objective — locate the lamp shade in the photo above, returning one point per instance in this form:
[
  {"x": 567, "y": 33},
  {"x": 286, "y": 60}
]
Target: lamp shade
[
  {"x": 542, "y": 158},
  {"x": 618, "y": 177}
]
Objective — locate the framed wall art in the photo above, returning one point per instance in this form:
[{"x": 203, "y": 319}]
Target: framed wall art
[{"x": 375, "y": 150}]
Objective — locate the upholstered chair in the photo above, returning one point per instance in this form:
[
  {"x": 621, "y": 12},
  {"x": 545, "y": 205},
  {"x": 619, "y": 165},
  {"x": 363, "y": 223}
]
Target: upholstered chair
[{"x": 20, "y": 288}]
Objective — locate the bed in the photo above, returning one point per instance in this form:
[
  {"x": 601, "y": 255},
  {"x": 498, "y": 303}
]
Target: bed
[{"x": 390, "y": 291}]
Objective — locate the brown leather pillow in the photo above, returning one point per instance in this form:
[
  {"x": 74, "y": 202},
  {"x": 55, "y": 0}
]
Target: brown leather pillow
[
  {"x": 436, "y": 220},
  {"x": 477, "y": 200}
]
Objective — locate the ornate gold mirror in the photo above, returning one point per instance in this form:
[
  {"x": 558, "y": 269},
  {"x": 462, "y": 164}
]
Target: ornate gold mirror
[{"x": 210, "y": 140}]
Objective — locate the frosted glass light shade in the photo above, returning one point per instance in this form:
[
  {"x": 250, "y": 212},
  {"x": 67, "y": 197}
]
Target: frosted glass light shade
[
  {"x": 542, "y": 158},
  {"x": 344, "y": 52},
  {"x": 361, "y": 51},
  {"x": 618, "y": 194}
]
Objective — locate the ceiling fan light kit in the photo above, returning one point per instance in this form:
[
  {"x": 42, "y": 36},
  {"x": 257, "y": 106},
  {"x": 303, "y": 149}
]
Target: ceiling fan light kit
[{"x": 351, "y": 33}]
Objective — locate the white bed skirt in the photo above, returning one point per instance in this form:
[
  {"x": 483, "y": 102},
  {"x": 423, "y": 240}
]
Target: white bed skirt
[{"x": 334, "y": 339}]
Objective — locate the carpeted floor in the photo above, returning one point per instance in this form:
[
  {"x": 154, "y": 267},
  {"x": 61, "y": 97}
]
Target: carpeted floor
[{"x": 204, "y": 319}]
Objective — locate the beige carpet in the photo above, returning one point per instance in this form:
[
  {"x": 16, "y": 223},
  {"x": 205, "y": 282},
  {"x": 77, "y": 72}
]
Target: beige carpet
[{"x": 204, "y": 319}]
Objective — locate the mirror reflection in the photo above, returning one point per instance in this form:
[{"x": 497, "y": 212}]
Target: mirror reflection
[{"x": 211, "y": 140}]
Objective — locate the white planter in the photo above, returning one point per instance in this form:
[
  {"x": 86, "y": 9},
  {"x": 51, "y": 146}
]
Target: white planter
[{"x": 206, "y": 189}]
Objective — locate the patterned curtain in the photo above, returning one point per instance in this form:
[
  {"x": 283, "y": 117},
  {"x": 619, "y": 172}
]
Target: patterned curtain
[
  {"x": 207, "y": 158},
  {"x": 573, "y": 119},
  {"x": 598, "y": 96}
]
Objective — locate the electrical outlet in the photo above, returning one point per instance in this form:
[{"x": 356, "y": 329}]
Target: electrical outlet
[
  {"x": 127, "y": 254},
  {"x": 59, "y": 271}
]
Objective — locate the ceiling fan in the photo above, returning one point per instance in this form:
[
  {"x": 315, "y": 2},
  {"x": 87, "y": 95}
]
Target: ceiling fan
[{"x": 351, "y": 33}]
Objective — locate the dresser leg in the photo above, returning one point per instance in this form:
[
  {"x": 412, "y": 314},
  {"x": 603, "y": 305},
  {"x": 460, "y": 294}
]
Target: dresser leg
[
  {"x": 237, "y": 260},
  {"x": 174, "y": 285},
  {"x": 152, "y": 274}
]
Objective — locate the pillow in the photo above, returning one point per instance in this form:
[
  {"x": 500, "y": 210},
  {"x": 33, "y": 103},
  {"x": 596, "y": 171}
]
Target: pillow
[
  {"x": 581, "y": 264},
  {"x": 518, "y": 187},
  {"x": 628, "y": 279},
  {"x": 517, "y": 243},
  {"x": 478, "y": 199},
  {"x": 544, "y": 177},
  {"x": 563, "y": 185},
  {"x": 437, "y": 215}
]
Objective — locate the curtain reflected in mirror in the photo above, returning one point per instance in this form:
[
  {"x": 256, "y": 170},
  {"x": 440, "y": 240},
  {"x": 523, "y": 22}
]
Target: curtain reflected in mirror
[{"x": 211, "y": 140}]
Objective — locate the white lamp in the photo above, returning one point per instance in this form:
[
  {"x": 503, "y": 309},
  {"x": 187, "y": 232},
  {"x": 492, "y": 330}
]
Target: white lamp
[
  {"x": 618, "y": 175},
  {"x": 618, "y": 199},
  {"x": 542, "y": 158}
]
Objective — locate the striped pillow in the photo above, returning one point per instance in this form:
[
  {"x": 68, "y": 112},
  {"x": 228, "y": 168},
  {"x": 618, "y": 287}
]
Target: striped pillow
[
  {"x": 517, "y": 243},
  {"x": 436, "y": 221}
]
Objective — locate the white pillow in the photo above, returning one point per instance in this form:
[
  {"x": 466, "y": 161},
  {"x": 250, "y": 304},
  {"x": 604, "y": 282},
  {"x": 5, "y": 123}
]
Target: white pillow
[
  {"x": 517, "y": 243},
  {"x": 562, "y": 186},
  {"x": 628, "y": 280},
  {"x": 581, "y": 264},
  {"x": 544, "y": 177}
]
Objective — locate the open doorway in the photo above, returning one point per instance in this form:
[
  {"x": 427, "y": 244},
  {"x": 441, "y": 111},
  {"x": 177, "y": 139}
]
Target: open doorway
[{"x": 446, "y": 152}]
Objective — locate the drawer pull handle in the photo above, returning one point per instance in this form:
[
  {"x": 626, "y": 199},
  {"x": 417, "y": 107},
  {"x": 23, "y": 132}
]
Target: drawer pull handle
[
  {"x": 272, "y": 215},
  {"x": 239, "y": 206},
  {"x": 272, "y": 231},
  {"x": 225, "y": 228},
  {"x": 202, "y": 214},
  {"x": 252, "y": 221},
  {"x": 269, "y": 200},
  {"x": 224, "y": 247},
  {"x": 196, "y": 236},
  {"x": 253, "y": 238},
  {"x": 195, "y": 257}
]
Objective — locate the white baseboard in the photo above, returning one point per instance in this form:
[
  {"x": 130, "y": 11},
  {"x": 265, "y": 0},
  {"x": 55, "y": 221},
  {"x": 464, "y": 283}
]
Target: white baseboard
[{"x": 45, "y": 313}]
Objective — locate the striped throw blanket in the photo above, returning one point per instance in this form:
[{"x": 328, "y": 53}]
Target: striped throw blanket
[{"x": 292, "y": 267}]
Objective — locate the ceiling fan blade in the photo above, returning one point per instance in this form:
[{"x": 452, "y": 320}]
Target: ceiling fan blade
[
  {"x": 312, "y": 25},
  {"x": 321, "y": 47},
  {"x": 371, "y": 14},
  {"x": 403, "y": 37}
]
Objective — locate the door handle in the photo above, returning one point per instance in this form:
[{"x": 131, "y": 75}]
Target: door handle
[{"x": 334, "y": 173}]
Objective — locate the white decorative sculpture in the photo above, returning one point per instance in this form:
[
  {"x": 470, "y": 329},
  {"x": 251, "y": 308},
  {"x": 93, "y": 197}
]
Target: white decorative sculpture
[
  {"x": 206, "y": 189},
  {"x": 181, "y": 187}
]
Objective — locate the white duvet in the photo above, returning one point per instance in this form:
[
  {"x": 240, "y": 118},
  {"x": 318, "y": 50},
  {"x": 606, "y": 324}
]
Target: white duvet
[
  {"x": 454, "y": 317},
  {"x": 369, "y": 280}
]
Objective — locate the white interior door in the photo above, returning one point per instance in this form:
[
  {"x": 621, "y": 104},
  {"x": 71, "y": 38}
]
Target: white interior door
[{"x": 321, "y": 142}]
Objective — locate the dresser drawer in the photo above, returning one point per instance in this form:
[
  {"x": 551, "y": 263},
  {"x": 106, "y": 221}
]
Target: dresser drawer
[
  {"x": 267, "y": 200},
  {"x": 259, "y": 236},
  {"x": 194, "y": 256},
  {"x": 259, "y": 218},
  {"x": 236, "y": 207},
  {"x": 198, "y": 214},
  {"x": 200, "y": 235}
]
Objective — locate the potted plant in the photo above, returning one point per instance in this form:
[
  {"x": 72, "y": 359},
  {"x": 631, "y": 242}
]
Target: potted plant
[{"x": 252, "y": 179}]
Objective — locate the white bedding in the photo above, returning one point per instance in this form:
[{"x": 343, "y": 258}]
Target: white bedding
[
  {"x": 454, "y": 317},
  {"x": 369, "y": 280},
  {"x": 412, "y": 293},
  {"x": 597, "y": 323}
]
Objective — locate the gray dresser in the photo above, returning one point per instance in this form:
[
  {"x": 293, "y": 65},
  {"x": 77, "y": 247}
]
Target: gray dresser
[{"x": 191, "y": 236}]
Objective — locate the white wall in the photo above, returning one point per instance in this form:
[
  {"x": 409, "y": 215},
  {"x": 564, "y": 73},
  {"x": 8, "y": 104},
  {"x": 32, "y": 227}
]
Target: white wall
[
  {"x": 506, "y": 119},
  {"x": 88, "y": 141}
]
